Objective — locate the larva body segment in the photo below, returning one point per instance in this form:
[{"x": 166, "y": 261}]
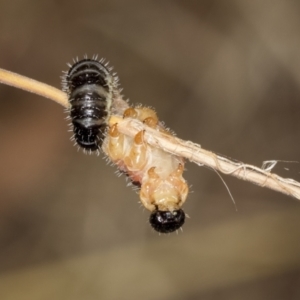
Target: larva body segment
[
  {"x": 163, "y": 190},
  {"x": 91, "y": 88}
]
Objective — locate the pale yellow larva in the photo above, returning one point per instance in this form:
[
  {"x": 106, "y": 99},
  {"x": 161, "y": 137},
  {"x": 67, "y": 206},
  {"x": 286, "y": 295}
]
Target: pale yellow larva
[{"x": 157, "y": 173}]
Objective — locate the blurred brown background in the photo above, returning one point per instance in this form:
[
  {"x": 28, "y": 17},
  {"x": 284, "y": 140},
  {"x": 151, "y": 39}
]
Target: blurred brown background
[{"x": 224, "y": 74}]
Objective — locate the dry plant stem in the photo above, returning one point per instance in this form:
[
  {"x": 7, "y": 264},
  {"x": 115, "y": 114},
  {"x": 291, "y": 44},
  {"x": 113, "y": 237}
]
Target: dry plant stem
[
  {"x": 33, "y": 86},
  {"x": 196, "y": 154},
  {"x": 171, "y": 144}
]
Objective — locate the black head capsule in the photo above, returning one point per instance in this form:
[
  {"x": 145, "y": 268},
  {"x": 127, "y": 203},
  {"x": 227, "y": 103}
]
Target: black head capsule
[{"x": 167, "y": 221}]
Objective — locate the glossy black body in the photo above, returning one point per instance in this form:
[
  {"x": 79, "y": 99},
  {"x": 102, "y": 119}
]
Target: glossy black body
[{"x": 90, "y": 96}]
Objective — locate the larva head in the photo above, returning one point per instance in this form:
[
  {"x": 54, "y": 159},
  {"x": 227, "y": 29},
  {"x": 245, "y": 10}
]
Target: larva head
[{"x": 167, "y": 221}]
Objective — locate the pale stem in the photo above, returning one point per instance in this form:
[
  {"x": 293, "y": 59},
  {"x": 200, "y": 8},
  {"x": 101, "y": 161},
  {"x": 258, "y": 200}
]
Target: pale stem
[{"x": 33, "y": 86}]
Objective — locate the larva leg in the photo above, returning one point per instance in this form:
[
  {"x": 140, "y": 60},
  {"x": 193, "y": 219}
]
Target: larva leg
[
  {"x": 115, "y": 143},
  {"x": 144, "y": 114},
  {"x": 177, "y": 181},
  {"x": 151, "y": 122},
  {"x": 137, "y": 157},
  {"x": 164, "y": 194},
  {"x": 130, "y": 113},
  {"x": 147, "y": 188},
  {"x": 148, "y": 116}
]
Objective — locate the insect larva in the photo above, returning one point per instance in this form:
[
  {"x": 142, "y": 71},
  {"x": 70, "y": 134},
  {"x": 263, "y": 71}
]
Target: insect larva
[
  {"x": 90, "y": 87},
  {"x": 163, "y": 190}
]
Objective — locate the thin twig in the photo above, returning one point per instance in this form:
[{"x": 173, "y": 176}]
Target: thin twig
[
  {"x": 33, "y": 86},
  {"x": 194, "y": 153},
  {"x": 171, "y": 144}
]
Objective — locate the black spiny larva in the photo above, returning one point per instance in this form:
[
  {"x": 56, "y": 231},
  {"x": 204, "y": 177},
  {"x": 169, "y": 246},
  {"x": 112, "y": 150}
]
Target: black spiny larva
[{"x": 91, "y": 88}]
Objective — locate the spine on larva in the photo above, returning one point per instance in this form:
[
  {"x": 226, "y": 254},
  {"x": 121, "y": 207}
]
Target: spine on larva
[{"x": 90, "y": 87}]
